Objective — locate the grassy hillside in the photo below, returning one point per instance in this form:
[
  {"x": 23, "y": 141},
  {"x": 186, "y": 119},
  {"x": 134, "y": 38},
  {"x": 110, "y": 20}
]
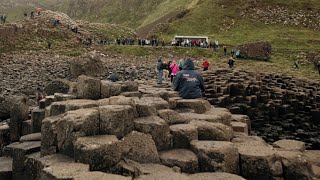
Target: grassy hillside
[{"x": 291, "y": 26}]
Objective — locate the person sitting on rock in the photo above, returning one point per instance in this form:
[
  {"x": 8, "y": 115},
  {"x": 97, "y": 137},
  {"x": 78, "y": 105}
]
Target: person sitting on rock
[
  {"x": 113, "y": 77},
  {"x": 231, "y": 62},
  {"x": 188, "y": 82}
]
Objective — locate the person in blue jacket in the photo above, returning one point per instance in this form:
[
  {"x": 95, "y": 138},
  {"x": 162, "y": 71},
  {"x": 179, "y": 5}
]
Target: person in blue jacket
[{"x": 189, "y": 82}]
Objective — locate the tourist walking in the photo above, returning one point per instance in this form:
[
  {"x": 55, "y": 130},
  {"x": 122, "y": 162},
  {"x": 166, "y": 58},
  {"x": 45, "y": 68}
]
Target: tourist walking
[
  {"x": 231, "y": 62},
  {"x": 188, "y": 82},
  {"x": 159, "y": 69},
  {"x": 174, "y": 70},
  {"x": 165, "y": 70},
  {"x": 225, "y": 50},
  {"x": 205, "y": 65}
]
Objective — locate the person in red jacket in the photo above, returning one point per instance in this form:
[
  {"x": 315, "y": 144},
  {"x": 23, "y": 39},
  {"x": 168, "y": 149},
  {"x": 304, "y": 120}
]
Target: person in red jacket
[{"x": 205, "y": 65}]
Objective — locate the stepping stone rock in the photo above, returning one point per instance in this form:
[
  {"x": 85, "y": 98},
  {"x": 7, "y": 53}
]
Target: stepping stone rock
[
  {"x": 63, "y": 171},
  {"x": 183, "y": 158},
  {"x": 19, "y": 152},
  {"x": 81, "y": 122},
  {"x": 49, "y": 135},
  {"x": 259, "y": 162},
  {"x": 172, "y": 117},
  {"x": 183, "y": 134},
  {"x": 216, "y": 176},
  {"x": 148, "y": 106},
  {"x": 129, "y": 86},
  {"x": 240, "y": 127},
  {"x": 5, "y": 168},
  {"x": 200, "y": 106},
  {"x": 69, "y": 105},
  {"x": 164, "y": 176},
  {"x": 312, "y": 156},
  {"x": 98, "y": 176},
  {"x": 216, "y": 115},
  {"x": 37, "y": 116},
  {"x": 295, "y": 166},
  {"x": 116, "y": 120},
  {"x": 105, "y": 89},
  {"x": 216, "y": 156},
  {"x": 213, "y": 131},
  {"x": 134, "y": 169},
  {"x": 100, "y": 152},
  {"x": 290, "y": 145},
  {"x": 4, "y": 137},
  {"x": 140, "y": 147},
  {"x": 88, "y": 88},
  {"x": 19, "y": 113},
  {"x": 158, "y": 129},
  {"x": 31, "y": 137},
  {"x": 242, "y": 118},
  {"x": 34, "y": 164}
]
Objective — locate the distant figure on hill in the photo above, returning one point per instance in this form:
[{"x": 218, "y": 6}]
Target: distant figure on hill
[
  {"x": 205, "y": 65},
  {"x": 40, "y": 94},
  {"x": 49, "y": 45},
  {"x": 225, "y": 50},
  {"x": 232, "y": 53},
  {"x": 159, "y": 69},
  {"x": 238, "y": 55},
  {"x": 39, "y": 11},
  {"x": 1, "y": 19},
  {"x": 296, "y": 64},
  {"x": 188, "y": 82},
  {"x": 4, "y": 18},
  {"x": 231, "y": 62},
  {"x": 318, "y": 65},
  {"x": 32, "y": 14}
]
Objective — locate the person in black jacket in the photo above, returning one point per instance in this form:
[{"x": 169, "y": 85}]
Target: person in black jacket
[
  {"x": 160, "y": 67},
  {"x": 188, "y": 82}
]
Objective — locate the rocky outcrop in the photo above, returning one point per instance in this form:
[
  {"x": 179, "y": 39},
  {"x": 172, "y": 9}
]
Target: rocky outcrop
[
  {"x": 255, "y": 50},
  {"x": 89, "y": 64},
  {"x": 109, "y": 135}
]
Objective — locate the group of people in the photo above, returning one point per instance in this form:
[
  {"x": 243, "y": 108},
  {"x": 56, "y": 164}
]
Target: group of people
[
  {"x": 3, "y": 19},
  {"x": 185, "y": 79}
]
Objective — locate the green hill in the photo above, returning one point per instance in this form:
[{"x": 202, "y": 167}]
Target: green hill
[{"x": 292, "y": 27}]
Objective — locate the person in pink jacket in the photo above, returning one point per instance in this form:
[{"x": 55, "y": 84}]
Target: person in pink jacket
[{"x": 174, "y": 69}]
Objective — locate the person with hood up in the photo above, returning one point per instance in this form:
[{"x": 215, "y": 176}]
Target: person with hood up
[
  {"x": 180, "y": 64},
  {"x": 188, "y": 82},
  {"x": 160, "y": 67}
]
